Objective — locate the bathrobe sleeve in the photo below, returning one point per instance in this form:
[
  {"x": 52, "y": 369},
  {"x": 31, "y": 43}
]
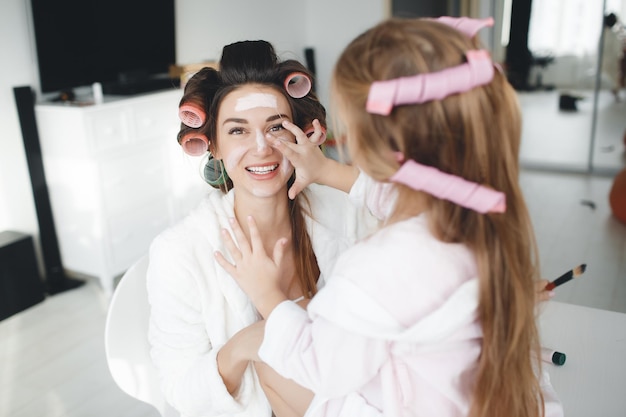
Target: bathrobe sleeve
[
  {"x": 378, "y": 197},
  {"x": 314, "y": 353},
  {"x": 181, "y": 348}
]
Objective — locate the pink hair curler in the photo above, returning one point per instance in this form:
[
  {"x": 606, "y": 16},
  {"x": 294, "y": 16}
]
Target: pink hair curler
[
  {"x": 385, "y": 95},
  {"x": 194, "y": 144},
  {"x": 298, "y": 84},
  {"x": 466, "y": 25},
  {"x": 191, "y": 114},
  {"x": 450, "y": 187},
  {"x": 311, "y": 130}
]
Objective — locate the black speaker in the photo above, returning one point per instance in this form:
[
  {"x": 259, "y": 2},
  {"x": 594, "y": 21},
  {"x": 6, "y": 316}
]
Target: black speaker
[
  {"x": 55, "y": 278},
  {"x": 20, "y": 284}
]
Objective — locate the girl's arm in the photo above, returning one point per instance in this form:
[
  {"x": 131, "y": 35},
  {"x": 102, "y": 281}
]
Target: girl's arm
[{"x": 287, "y": 398}]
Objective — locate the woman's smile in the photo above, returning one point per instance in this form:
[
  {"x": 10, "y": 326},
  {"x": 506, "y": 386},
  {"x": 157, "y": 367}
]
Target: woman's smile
[{"x": 263, "y": 170}]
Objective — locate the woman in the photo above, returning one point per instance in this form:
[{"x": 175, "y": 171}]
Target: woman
[{"x": 202, "y": 326}]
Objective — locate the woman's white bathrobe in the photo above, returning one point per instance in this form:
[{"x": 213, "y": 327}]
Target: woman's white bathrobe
[
  {"x": 396, "y": 323},
  {"x": 196, "y": 307}
]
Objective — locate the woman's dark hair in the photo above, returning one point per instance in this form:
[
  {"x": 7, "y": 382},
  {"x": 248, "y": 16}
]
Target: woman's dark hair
[
  {"x": 256, "y": 62},
  {"x": 247, "y": 62}
]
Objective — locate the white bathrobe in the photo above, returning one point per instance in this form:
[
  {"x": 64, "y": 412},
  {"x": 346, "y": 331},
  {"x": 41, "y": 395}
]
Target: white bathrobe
[
  {"x": 396, "y": 324},
  {"x": 196, "y": 307}
]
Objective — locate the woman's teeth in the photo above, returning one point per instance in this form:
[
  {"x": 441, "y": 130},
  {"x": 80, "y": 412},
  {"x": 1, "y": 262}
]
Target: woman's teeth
[{"x": 263, "y": 169}]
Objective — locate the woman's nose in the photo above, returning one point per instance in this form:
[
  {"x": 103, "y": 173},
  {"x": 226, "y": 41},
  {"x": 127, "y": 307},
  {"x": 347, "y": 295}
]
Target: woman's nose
[{"x": 262, "y": 143}]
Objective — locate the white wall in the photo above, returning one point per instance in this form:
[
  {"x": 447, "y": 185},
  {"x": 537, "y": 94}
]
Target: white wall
[{"x": 203, "y": 27}]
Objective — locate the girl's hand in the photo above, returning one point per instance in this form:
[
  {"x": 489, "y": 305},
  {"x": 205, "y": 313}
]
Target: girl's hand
[
  {"x": 541, "y": 294},
  {"x": 255, "y": 271},
  {"x": 305, "y": 155}
]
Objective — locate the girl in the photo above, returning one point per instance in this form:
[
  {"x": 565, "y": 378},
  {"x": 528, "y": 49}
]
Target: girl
[
  {"x": 434, "y": 313},
  {"x": 203, "y": 328}
]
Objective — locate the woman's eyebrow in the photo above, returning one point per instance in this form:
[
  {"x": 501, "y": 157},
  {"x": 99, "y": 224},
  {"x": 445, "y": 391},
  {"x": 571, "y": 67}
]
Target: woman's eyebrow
[
  {"x": 277, "y": 116},
  {"x": 234, "y": 120}
]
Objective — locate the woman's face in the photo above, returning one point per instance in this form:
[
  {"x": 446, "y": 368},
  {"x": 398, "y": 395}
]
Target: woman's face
[{"x": 248, "y": 119}]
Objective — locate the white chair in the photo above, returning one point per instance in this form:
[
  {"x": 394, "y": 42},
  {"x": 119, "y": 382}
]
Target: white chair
[{"x": 126, "y": 340}]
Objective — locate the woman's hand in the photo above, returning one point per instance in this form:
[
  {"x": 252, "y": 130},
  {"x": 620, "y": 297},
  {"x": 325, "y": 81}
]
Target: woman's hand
[
  {"x": 255, "y": 271},
  {"x": 305, "y": 155},
  {"x": 234, "y": 356}
]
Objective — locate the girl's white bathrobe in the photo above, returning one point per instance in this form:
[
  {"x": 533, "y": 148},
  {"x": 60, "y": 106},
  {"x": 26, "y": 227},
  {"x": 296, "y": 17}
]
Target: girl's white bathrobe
[
  {"x": 396, "y": 323},
  {"x": 196, "y": 307}
]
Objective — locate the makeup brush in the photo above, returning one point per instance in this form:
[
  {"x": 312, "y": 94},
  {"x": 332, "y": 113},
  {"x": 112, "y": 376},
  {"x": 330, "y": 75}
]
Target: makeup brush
[{"x": 574, "y": 273}]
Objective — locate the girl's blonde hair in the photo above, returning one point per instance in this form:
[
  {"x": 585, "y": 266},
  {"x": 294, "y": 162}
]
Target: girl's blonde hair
[{"x": 476, "y": 136}]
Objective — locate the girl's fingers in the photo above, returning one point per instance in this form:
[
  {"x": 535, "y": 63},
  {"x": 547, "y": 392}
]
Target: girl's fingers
[
  {"x": 255, "y": 237},
  {"x": 288, "y": 149},
  {"x": 232, "y": 248},
  {"x": 240, "y": 237},
  {"x": 279, "y": 250},
  {"x": 295, "y": 189},
  {"x": 228, "y": 267},
  {"x": 298, "y": 133},
  {"x": 319, "y": 136}
]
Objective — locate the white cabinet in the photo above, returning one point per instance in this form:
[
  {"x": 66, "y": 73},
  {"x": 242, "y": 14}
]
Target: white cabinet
[{"x": 116, "y": 178}]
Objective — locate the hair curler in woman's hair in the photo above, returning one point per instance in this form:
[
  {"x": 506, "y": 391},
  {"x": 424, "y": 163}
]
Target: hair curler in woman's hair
[
  {"x": 191, "y": 114},
  {"x": 194, "y": 144},
  {"x": 298, "y": 84},
  {"x": 214, "y": 172}
]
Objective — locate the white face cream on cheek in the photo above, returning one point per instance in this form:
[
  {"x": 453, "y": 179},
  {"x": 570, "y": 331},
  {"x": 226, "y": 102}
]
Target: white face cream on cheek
[
  {"x": 255, "y": 100},
  {"x": 231, "y": 161}
]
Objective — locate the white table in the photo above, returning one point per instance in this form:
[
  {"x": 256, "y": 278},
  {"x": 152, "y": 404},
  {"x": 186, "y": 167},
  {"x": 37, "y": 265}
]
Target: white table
[{"x": 592, "y": 382}]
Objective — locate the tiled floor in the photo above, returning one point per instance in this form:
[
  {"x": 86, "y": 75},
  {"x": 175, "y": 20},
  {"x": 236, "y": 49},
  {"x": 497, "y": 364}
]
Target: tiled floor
[
  {"x": 52, "y": 361},
  {"x": 573, "y": 225},
  {"x": 560, "y": 139}
]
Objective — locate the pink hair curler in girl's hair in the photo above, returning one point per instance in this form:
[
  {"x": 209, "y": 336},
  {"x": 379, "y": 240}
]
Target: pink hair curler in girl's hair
[
  {"x": 466, "y": 25},
  {"x": 191, "y": 114},
  {"x": 297, "y": 84},
  {"x": 194, "y": 144},
  {"x": 385, "y": 95},
  {"x": 450, "y": 187}
]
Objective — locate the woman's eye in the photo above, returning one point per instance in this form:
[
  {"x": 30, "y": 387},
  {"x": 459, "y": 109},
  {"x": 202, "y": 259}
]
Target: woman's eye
[
  {"x": 235, "y": 131},
  {"x": 277, "y": 128}
]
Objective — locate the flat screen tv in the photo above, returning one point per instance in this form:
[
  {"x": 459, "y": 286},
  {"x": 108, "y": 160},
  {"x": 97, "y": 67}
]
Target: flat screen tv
[{"x": 126, "y": 45}]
